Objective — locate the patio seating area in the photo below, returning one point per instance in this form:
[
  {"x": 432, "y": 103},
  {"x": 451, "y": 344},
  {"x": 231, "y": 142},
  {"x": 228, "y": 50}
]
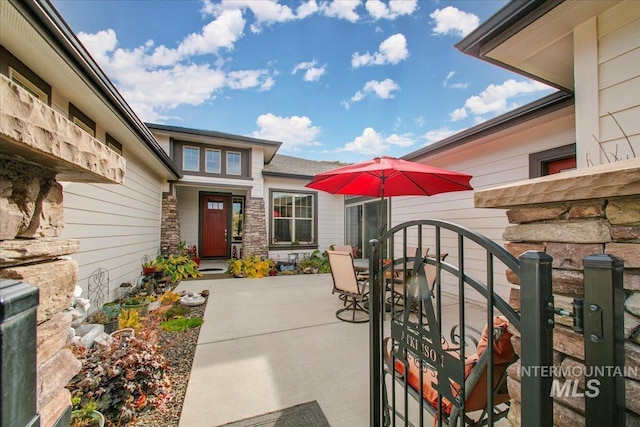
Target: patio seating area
[{"x": 271, "y": 343}]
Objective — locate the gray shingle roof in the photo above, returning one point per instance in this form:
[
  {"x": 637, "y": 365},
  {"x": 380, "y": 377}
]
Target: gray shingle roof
[{"x": 296, "y": 167}]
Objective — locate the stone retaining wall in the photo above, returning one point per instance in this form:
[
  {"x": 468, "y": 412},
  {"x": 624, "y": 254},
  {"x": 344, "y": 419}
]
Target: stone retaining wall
[
  {"x": 38, "y": 147},
  {"x": 568, "y": 219}
]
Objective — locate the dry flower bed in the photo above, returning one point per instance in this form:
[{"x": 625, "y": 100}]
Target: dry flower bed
[{"x": 141, "y": 381}]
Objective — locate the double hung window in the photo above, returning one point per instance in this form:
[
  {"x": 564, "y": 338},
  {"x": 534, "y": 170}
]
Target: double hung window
[
  {"x": 190, "y": 159},
  {"x": 293, "y": 218}
]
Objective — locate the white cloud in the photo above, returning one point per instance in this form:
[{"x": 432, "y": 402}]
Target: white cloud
[
  {"x": 373, "y": 143},
  {"x": 223, "y": 32},
  {"x": 447, "y": 83},
  {"x": 384, "y": 89},
  {"x": 312, "y": 73},
  {"x": 420, "y": 121},
  {"x": 265, "y": 12},
  {"x": 437, "y": 135},
  {"x": 307, "y": 9},
  {"x": 494, "y": 98},
  {"x": 247, "y": 79},
  {"x": 453, "y": 21},
  {"x": 99, "y": 44},
  {"x": 391, "y": 51},
  {"x": 458, "y": 114},
  {"x": 157, "y": 79},
  {"x": 378, "y": 10},
  {"x": 294, "y": 132},
  {"x": 342, "y": 9}
]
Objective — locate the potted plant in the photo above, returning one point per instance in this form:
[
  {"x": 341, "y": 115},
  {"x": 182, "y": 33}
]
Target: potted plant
[
  {"x": 87, "y": 415},
  {"x": 109, "y": 321},
  {"x": 148, "y": 268},
  {"x": 137, "y": 303},
  {"x": 112, "y": 308},
  {"x": 192, "y": 252}
]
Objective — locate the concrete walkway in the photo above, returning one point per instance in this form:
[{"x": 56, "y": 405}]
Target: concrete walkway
[
  {"x": 271, "y": 343},
  {"x": 267, "y": 344}
]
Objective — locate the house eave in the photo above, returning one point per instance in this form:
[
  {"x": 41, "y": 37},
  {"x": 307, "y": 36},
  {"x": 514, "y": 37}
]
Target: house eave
[
  {"x": 270, "y": 147},
  {"x": 62, "y": 39},
  {"x": 509, "y": 19},
  {"x": 287, "y": 175},
  {"x": 534, "y": 38},
  {"x": 543, "y": 106}
]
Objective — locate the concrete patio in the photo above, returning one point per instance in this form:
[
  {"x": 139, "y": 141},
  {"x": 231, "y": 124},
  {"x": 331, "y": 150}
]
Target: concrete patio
[{"x": 271, "y": 343}]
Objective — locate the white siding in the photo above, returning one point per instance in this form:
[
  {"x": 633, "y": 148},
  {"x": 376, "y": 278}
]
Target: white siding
[
  {"x": 188, "y": 214},
  {"x": 257, "y": 164},
  {"x": 117, "y": 225},
  {"x": 492, "y": 161},
  {"x": 330, "y": 212},
  {"x": 619, "y": 80}
]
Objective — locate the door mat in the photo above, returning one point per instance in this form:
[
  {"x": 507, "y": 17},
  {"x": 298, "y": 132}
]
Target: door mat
[{"x": 306, "y": 414}]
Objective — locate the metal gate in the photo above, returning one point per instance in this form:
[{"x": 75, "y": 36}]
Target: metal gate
[{"x": 429, "y": 335}]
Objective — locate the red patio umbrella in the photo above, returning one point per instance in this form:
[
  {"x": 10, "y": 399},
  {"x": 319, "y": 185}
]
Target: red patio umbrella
[{"x": 387, "y": 176}]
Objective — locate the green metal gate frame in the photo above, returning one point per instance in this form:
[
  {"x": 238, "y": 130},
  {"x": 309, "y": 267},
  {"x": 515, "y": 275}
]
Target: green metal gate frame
[{"x": 602, "y": 324}]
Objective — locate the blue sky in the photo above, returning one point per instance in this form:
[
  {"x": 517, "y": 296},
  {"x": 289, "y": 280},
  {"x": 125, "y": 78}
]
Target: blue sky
[{"x": 333, "y": 80}]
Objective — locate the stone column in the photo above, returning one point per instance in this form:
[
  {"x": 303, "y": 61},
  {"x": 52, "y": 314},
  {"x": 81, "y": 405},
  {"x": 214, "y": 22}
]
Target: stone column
[
  {"x": 170, "y": 226},
  {"x": 254, "y": 239},
  {"x": 570, "y": 216}
]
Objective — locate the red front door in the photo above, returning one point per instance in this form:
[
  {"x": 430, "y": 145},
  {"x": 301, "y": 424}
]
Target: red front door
[{"x": 214, "y": 226}]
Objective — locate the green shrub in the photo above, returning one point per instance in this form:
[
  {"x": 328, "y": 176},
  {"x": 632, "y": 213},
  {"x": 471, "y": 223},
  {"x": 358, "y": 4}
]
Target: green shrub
[
  {"x": 178, "y": 310},
  {"x": 182, "y": 323}
]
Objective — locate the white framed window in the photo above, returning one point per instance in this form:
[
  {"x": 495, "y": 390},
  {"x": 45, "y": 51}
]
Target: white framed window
[
  {"x": 191, "y": 159},
  {"x": 82, "y": 120},
  {"x": 212, "y": 161},
  {"x": 114, "y": 144},
  {"x": 82, "y": 125},
  {"x": 28, "y": 85},
  {"x": 234, "y": 163},
  {"x": 293, "y": 218}
]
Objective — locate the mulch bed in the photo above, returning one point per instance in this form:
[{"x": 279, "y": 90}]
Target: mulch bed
[{"x": 178, "y": 348}]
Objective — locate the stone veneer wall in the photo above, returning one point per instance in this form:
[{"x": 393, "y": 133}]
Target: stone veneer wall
[
  {"x": 38, "y": 147},
  {"x": 571, "y": 216},
  {"x": 254, "y": 239},
  {"x": 170, "y": 226},
  {"x": 31, "y": 217}
]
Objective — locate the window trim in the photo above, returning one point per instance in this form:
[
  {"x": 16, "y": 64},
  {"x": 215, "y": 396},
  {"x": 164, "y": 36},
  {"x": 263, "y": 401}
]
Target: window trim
[
  {"x": 206, "y": 162},
  {"x": 82, "y": 120},
  {"x": 184, "y": 168},
  {"x": 289, "y": 245},
  {"x": 9, "y": 62},
  {"x": 239, "y": 173},
  {"x": 539, "y": 160},
  {"x": 17, "y": 77},
  {"x": 112, "y": 143}
]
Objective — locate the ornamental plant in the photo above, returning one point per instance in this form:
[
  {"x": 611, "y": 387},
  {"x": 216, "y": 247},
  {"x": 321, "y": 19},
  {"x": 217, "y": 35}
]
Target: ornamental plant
[
  {"x": 123, "y": 379},
  {"x": 316, "y": 260},
  {"x": 179, "y": 267},
  {"x": 250, "y": 267},
  {"x": 169, "y": 298}
]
